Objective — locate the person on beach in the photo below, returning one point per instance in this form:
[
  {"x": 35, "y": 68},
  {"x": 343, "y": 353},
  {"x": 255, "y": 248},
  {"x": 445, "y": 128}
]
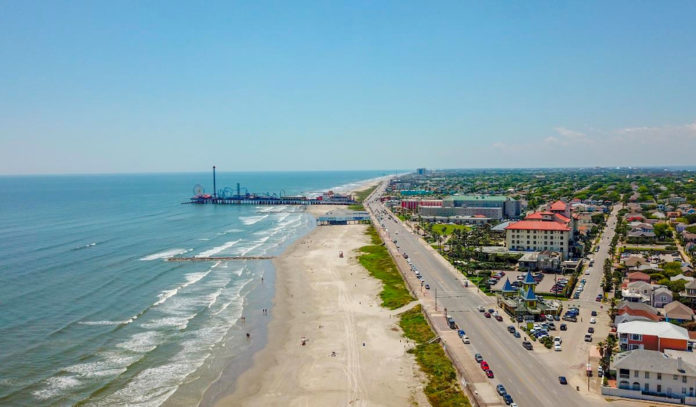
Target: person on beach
[{"x": 248, "y": 335}]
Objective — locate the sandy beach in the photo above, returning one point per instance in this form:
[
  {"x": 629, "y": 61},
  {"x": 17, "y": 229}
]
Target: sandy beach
[{"x": 333, "y": 304}]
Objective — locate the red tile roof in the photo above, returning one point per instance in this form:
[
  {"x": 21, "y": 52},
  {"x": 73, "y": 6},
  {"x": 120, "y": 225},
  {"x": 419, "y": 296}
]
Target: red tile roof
[
  {"x": 537, "y": 225},
  {"x": 558, "y": 206},
  {"x": 638, "y": 276},
  {"x": 639, "y": 312},
  {"x": 540, "y": 215}
]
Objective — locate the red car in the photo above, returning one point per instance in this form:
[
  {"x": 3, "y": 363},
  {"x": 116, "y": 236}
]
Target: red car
[
  {"x": 498, "y": 318},
  {"x": 487, "y": 314},
  {"x": 484, "y": 365},
  {"x": 489, "y": 373}
]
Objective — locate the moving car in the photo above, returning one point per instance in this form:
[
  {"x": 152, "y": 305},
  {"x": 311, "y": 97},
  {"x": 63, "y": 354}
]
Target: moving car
[
  {"x": 593, "y": 320},
  {"x": 562, "y": 380},
  {"x": 564, "y": 327},
  {"x": 527, "y": 345},
  {"x": 588, "y": 337},
  {"x": 593, "y": 313},
  {"x": 590, "y": 330},
  {"x": 427, "y": 286}
]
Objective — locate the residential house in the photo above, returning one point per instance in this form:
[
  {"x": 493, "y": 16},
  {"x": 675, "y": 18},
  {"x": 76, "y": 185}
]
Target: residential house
[
  {"x": 661, "y": 296},
  {"x": 681, "y": 276},
  {"x": 640, "y": 229},
  {"x": 634, "y": 262},
  {"x": 638, "y": 291},
  {"x": 675, "y": 311},
  {"x": 628, "y": 314},
  {"x": 638, "y": 276},
  {"x": 651, "y": 336},
  {"x": 689, "y": 291},
  {"x": 688, "y": 236},
  {"x": 641, "y": 373}
]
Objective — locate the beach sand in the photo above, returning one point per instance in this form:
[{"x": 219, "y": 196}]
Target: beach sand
[{"x": 334, "y": 304}]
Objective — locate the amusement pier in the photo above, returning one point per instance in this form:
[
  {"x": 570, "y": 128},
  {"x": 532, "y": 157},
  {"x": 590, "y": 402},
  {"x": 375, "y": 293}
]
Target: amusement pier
[{"x": 229, "y": 196}]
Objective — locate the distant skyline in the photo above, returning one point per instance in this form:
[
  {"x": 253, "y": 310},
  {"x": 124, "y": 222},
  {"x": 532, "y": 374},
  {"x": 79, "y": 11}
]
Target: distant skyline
[{"x": 132, "y": 87}]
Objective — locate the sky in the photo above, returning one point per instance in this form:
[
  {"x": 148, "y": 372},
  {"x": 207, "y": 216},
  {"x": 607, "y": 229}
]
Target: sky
[{"x": 169, "y": 86}]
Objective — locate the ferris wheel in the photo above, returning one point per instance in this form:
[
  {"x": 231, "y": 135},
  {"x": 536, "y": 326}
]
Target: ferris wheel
[{"x": 198, "y": 190}]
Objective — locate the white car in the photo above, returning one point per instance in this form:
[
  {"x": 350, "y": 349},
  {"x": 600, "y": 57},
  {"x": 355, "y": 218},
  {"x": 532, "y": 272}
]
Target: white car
[
  {"x": 593, "y": 320},
  {"x": 465, "y": 340},
  {"x": 557, "y": 347},
  {"x": 557, "y": 340}
]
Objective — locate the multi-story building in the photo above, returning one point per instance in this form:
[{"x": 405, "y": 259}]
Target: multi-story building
[
  {"x": 508, "y": 207},
  {"x": 652, "y": 336},
  {"x": 641, "y": 374},
  {"x": 539, "y": 234}
]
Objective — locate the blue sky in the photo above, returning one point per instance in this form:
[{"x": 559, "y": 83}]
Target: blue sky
[{"x": 96, "y": 86}]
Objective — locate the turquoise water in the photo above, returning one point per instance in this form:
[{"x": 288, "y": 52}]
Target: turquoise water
[{"x": 91, "y": 314}]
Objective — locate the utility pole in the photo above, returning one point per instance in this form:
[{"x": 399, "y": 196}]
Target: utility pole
[{"x": 436, "y": 299}]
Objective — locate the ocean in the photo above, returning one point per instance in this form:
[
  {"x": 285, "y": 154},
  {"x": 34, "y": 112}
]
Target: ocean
[{"x": 91, "y": 314}]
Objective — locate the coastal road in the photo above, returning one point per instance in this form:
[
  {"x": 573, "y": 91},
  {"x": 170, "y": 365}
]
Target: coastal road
[{"x": 530, "y": 381}]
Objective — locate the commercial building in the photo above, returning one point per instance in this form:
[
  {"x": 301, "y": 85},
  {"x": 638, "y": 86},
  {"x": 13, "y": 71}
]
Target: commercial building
[
  {"x": 539, "y": 232},
  {"x": 506, "y": 207},
  {"x": 652, "y": 336}
]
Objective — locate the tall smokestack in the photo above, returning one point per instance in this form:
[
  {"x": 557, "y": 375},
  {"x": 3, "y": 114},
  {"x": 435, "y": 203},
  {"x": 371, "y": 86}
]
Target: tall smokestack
[{"x": 214, "y": 186}]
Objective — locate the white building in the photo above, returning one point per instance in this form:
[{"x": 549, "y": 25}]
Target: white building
[{"x": 651, "y": 375}]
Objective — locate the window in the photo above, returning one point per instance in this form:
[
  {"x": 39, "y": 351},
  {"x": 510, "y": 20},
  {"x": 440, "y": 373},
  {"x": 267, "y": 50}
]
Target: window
[
  {"x": 675, "y": 377},
  {"x": 646, "y": 387},
  {"x": 635, "y": 373},
  {"x": 624, "y": 374},
  {"x": 647, "y": 375},
  {"x": 683, "y": 379},
  {"x": 659, "y": 388},
  {"x": 659, "y": 376},
  {"x": 636, "y": 337}
]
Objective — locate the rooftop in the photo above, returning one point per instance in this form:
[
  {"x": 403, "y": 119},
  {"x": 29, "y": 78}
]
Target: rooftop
[
  {"x": 660, "y": 329},
  {"x": 537, "y": 225},
  {"x": 491, "y": 198},
  {"x": 651, "y": 361}
]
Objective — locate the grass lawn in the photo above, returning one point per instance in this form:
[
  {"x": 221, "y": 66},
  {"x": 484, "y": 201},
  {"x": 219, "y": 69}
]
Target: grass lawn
[
  {"x": 442, "y": 388},
  {"x": 379, "y": 263},
  {"x": 356, "y": 207},
  {"x": 447, "y": 229}
]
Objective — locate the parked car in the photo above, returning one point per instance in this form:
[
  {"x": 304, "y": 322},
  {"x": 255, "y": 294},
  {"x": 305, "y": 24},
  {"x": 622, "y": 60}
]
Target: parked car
[
  {"x": 498, "y": 317},
  {"x": 558, "y": 340},
  {"x": 590, "y": 330},
  {"x": 478, "y": 358},
  {"x": 588, "y": 337},
  {"x": 481, "y": 309},
  {"x": 489, "y": 373},
  {"x": 451, "y": 323},
  {"x": 511, "y": 328},
  {"x": 594, "y": 313},
  {"x": 562, "y": 380},
  {"x": 501, "y": 389},
  {"x": 487, "y": 314},
  {"x": 465, "y": 340},
  {"x": 461, "y": 333},
  {"x": 516, "y": 334},
  {"x": 557, "y": 347},
  {"x": 427, "y": 286},
  {"x": 507, "y": 398},
  {"x": 484, "y": 365}
]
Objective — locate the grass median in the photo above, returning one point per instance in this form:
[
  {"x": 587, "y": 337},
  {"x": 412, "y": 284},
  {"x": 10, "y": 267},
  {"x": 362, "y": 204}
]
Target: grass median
[
  {"x": 442, "y": 388},
  {"x": 379, "y": 263}
]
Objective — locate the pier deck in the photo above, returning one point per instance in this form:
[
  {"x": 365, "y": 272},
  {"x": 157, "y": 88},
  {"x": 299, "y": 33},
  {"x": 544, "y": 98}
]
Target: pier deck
[{"x": 222, "y": 258}]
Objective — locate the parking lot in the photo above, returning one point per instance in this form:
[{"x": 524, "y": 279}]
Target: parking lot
[{"x": 543, "y": 286}]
